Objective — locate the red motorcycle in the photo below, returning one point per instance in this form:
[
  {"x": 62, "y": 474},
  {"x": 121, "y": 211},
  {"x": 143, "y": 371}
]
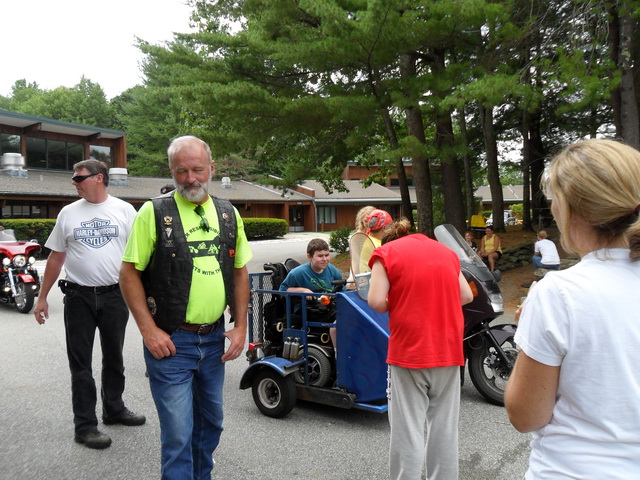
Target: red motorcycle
[{"x": 19, "y": 279}]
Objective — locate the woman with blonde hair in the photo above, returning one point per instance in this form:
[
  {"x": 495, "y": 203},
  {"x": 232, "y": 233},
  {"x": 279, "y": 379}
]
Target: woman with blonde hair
[
  {"x": 576, "y": 383},
  {"x": 361, "y": 218}
]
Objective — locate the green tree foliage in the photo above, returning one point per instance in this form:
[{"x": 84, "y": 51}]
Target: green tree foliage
[
  {"x": 339, "y": 240},
  {"x": 304, "y": 86},
  {"x": 325, "y": 77},
  {"x": 151, "y": 117},
  {"x": 85, "y": 103}
]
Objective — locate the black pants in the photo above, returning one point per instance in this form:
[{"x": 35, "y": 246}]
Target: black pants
[{"x": 84, "y": 312}]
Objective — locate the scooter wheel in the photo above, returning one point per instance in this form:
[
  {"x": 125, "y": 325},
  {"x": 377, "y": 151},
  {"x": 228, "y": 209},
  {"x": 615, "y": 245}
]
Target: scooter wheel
[
  {"x": 274, "y": 395},
  {"x": 319, "y": 368}
]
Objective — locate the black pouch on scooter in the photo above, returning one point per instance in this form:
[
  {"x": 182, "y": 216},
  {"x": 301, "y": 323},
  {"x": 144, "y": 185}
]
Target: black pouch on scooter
[{"x": 274, "y": 313}]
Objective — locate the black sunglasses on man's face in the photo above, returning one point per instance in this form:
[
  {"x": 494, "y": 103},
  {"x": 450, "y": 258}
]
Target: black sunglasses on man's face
[{"x": 82, "y": 178}]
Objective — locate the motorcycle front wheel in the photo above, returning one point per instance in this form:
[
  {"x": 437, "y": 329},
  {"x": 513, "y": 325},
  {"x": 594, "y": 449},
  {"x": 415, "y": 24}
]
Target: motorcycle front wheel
[
  {"x": 24, "y": 297},
  {"x": 488, "y": 372}
]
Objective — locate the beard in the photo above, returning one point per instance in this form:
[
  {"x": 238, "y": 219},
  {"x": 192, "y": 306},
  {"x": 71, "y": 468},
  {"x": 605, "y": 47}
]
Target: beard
[{"x": 193, "y": 195}]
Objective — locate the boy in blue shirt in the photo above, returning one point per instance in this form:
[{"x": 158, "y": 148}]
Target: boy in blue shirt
[{"x": 316, "y": 275}]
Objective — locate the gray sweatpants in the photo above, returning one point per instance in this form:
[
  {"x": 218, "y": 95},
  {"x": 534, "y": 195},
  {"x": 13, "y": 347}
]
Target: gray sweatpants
[{"x": 419, "y": 397}]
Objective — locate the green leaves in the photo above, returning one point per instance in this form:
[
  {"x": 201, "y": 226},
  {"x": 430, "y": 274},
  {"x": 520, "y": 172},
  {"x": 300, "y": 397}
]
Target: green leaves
[{"x": 84, "y": 103}]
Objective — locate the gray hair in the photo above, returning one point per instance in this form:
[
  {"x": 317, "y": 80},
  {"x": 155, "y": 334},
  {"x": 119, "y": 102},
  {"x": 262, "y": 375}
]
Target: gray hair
[{"x": 179, "y": 143}]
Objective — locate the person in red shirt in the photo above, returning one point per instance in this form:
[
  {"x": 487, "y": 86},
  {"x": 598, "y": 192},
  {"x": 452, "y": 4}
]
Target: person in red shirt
[{"x": 419, "y": 282}]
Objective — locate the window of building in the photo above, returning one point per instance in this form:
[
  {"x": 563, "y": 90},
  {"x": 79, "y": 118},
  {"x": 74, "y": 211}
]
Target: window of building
[
  {"x": 9, "y": 143},
  {"x": 394, "y": 182},
  {"x": 57, "y": 155},
  {"x": 75, "y": 153},
  {"x": 53, "y": 154},
  {"x": 327, "y": 214},
  {"x": 102, "y": 153},
  {"x": 18, "y": 209},
  {"x": 36, "y": 152}
]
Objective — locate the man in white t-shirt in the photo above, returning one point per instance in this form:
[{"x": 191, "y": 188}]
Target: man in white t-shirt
[
  {"x": 545, "y": 253},
  {"x": 88, "y": 240}
]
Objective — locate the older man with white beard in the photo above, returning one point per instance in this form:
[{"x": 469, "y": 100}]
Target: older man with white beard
[{"x": 185, "y": 261}]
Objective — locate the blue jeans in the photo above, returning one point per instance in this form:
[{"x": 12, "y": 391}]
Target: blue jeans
[
  {"x": 187, "y": 391},
  {"x": 537, "y": 261},
  {"x": 83, "y": 313}
]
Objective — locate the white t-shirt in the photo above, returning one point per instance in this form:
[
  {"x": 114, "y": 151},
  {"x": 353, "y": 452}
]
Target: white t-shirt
[
  {"x": 547, "y": 249},
  {"x": 586, "y": 320},
  {"x": 93, "y": 235}
]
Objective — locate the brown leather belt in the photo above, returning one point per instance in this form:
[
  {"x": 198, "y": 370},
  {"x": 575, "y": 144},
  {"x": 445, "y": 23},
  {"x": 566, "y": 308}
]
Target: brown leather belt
[{"x": 201, "y": 328}]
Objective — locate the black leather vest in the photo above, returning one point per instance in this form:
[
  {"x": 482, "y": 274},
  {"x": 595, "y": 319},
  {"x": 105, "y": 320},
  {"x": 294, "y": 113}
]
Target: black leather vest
[{"x": 167, "y": 278}]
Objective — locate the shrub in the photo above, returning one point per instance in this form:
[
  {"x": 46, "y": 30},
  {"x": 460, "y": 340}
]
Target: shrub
[
  {"x": 30, "y": 228},
  {"x": 264, "y": 227},
  {"x": 339, "y": 240},
  {"x": 517, "y": 210}
]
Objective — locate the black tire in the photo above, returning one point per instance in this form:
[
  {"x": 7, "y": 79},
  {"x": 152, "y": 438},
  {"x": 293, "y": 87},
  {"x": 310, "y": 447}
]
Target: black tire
[
  {"x": 24, "y": 297},
  {"x": 488, "y": 373},
  {"x": 274, "y": 395},
  {"x": 319, "y": 368}
]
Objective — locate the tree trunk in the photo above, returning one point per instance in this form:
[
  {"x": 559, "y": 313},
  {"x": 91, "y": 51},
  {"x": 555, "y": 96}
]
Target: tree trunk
[
  {"x": 629, "y": 107},
  {"x": 421, "y": 173},
  {"x": 614, "y": 48},
  {"x": 541, "y": 213},
  {"x": 407, "y": 209},
  {"x": 493, "y": 172},
  {"x": 526, "y": 172},
  {"x": 445, "y": 141},
  {"x": 470, "y": 202}
]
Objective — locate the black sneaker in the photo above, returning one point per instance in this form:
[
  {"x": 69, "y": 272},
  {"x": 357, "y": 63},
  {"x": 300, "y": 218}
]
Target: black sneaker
[
  {"x": 125, "y": 417},
  {"x": 93, "y": 439}
]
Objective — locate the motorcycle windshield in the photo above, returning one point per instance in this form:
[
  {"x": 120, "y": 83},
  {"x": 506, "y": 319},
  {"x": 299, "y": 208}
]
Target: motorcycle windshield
[
  {"x": 7, "y": 235},
  {"x": 451, "y": 238}
]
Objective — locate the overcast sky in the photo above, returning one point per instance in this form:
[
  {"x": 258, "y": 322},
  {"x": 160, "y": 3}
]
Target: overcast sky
[{"x": 55, "y": 42}]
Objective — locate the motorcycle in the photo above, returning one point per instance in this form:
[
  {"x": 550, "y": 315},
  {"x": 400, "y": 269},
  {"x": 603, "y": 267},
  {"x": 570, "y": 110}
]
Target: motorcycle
[
  {"x": 490, "y": 350},
  {"x": 19, "y": 279}
]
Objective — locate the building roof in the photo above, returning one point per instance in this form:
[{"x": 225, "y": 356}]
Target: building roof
[
  {"x": 49, "y": 184},
  {"x": 356, "y": 193},
  {"x": 21, "y": 120},
  {"x": 510, "y": 193},
  {"x": 412, "y": 193}
]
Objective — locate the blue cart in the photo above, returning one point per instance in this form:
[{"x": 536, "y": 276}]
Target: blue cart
[{"x": 292, "y": 356}]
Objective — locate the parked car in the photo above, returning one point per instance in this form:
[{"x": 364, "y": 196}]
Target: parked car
[{"x": 508, "y": 218}]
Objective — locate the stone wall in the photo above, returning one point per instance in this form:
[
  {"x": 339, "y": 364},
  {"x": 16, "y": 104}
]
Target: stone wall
[
  {"x": 515, "y": 256},
  {"x": 520, "y": 255}
]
